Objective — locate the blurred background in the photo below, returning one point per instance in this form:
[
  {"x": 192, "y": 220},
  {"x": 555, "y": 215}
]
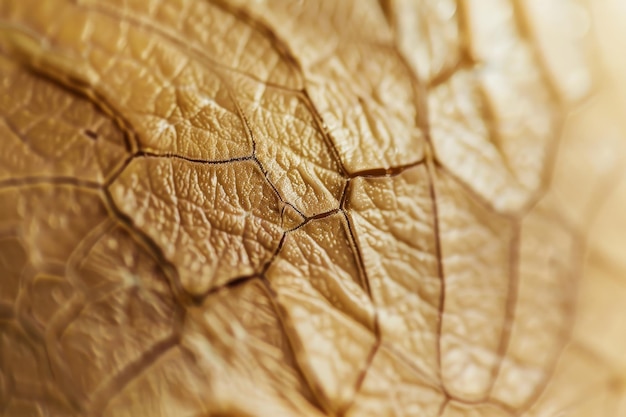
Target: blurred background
[{"x": 590, "y": 175}]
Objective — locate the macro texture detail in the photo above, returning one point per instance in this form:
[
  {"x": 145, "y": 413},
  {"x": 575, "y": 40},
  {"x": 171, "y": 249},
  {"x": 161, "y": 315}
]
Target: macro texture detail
[{"x": 276, "y": 208}]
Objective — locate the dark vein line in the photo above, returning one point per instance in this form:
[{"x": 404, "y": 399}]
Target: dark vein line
[
  {"x": 240, "y": 280},
  {"x": 278, "y": 194},
  {"x": 310, "y": 219},
  {"x": 115, "y": 173},
  {"x": 386, "y": 172},
  {"x": 148, "y": 154},
  {"x": 386, "y": 8},
  {"x": 81, "y": 251}
]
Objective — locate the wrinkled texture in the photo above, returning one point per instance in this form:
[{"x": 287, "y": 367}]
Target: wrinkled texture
[{"x": 343, "y": 208}]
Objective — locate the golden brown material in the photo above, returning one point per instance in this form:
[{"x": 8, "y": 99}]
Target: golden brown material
[{"x": 312, "y": 208}]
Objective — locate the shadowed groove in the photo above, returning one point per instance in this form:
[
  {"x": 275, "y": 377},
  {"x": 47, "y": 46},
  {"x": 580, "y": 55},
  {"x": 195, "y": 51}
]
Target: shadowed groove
[
  {"x": 466, "y": 62},
  {"x": 442, "y": 408},
  {"x": 319, "y": 216},
  {"x": 197, "y": 300},
  {"x": 365, "y": 283},
  {"x": 385, "y": 172},
  {"x": 330, "y": 144},
  {"x": 267, "y": 32},
  {"x": 386, "y": 7},
  {"x": 83, "y": 89},
  {"x": 134, "y": 370},
  {"x": 363, "y": 372},
  {"x": 281, "y": 315},
  {"x": 273, "y": 187},
  {"x": 80, "y": 88},
  {"x": 440, "y": 270},
  {"x": 50, "y": 180}
]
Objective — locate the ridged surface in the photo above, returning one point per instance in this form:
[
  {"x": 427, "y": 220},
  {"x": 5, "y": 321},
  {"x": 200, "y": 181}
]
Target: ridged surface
[{"x": 304, "y": 208}]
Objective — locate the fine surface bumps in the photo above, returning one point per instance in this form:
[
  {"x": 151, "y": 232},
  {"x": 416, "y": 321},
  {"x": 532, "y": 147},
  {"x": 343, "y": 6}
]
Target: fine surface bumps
[{"x": 317, "y": 208}]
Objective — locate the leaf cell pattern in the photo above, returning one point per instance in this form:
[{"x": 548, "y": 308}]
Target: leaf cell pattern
[{"x": 283, "y": 208}]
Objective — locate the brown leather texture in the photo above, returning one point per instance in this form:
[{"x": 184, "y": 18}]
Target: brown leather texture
[{"x": 311, "y": 208}]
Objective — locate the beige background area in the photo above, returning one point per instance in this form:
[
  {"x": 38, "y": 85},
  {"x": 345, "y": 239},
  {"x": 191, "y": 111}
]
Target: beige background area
[
  {"x": 609, "y": 17},
  {"x": 590, "y": 180}
]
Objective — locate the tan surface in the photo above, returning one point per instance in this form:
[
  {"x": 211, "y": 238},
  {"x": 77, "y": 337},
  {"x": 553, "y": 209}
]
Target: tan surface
[{"x": 354, "y": 208}]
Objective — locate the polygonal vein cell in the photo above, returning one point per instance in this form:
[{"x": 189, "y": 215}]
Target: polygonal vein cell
[
  {"x": 121, "y": 321},
  {"x": 47, "y": 131},
  {"x": 428, "y": 35},
  {"x": 394, "y": 226},
  {"x": 126, "y": 303},
  {"x": 213, "y": 222},
  {"x": 290, "y": 146},
  {"x": 547, "y": 270},
  {"x": 50, "y": 220},
  {"x": 177, "y": 105},
  {"x": 232, "y": 357},
  {"x": 482, "y": 134},
  {"x": 476, "y": 262},
  {"x": 327, "y": 312},
  {"x": 358, "y": 84},
  {"x": 494, "y": 125}
]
